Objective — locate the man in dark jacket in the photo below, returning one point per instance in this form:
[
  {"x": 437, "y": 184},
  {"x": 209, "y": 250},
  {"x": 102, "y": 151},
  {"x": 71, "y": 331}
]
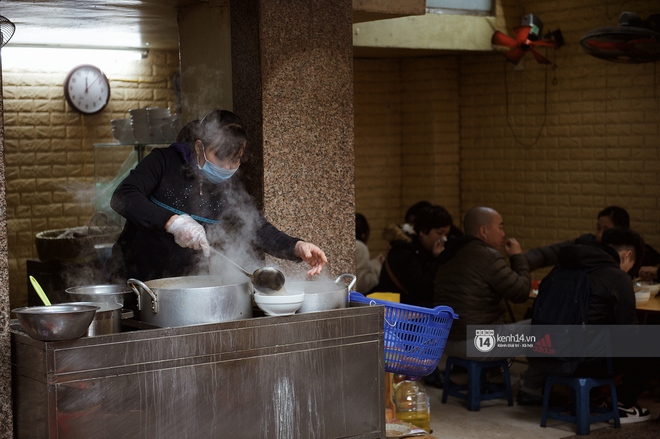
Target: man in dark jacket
[
  {"x": 474, "y": 278},
  {"x": 610, "y": 217},
  {"x": 611, "y": 301}
]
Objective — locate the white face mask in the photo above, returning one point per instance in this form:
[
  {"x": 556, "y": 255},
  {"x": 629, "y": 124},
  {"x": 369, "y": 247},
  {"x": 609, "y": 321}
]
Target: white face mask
[{"x": 215, "y": 173}]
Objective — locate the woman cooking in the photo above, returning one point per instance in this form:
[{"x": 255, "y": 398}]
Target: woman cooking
[{"x": 177, "y": 195}]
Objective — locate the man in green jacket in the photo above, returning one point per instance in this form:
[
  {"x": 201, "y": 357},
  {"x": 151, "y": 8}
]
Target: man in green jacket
[{"x": 475, "y": 279}]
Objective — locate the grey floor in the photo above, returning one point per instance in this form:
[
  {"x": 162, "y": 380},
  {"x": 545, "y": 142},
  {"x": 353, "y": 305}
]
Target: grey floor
[{"x": 497, "y": 420}]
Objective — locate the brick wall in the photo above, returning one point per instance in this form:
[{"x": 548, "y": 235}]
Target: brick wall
[
  {"x": 597, "y": 127},
  {"x": 49, "y": 148},
  {"x": 599, "y": 133},
  {"x": 406, "y": 139},
  {"x": 378, "y": 148}
]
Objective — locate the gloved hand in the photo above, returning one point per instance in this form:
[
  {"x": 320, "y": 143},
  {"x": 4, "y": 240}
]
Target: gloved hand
[{"x": 188, "y": 233}]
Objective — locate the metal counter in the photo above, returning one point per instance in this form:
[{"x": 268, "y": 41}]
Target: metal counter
[{"x": 317, "y": 375}]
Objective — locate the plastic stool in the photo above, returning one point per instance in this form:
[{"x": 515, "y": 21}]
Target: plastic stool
[
  {"x": 478, "y": 389},
  {"x": 580, "y": 407}
]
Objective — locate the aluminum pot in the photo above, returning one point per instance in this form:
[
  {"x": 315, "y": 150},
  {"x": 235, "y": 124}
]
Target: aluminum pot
[
  {"x": 107, "y": 319},
  {"x": 192, "y": 300},
  {"x": 120, "y": 294},
  {"x": 322, "y": 295}
]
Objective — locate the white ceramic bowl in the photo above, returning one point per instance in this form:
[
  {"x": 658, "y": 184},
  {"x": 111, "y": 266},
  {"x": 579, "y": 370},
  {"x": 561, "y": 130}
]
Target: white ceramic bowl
[
  {"x": 653, "y": 287},
  {"x": 642, "y": 296},
  {"x": 279, "y": 305}
]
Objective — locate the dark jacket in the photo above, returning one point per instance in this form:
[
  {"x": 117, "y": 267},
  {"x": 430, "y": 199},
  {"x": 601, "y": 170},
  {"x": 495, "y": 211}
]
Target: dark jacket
[
  {"x": 166, "y": 177},
  {"x": 473, "y": 279},
  {"x": 541, "y": 257},
  {"x": 611, "y": 301},
  {"x": 414, "y": 269},
  {"x": 611, "y": 294},
  {"x": 548, "y": 256}
]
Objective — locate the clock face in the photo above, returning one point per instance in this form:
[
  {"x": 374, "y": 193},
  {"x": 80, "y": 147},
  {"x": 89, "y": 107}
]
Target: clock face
[{"x": 87, "y": 89}]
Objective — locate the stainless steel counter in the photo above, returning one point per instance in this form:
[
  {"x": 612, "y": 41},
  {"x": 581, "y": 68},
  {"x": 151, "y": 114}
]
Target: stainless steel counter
[{"x": 317, "y": 375}]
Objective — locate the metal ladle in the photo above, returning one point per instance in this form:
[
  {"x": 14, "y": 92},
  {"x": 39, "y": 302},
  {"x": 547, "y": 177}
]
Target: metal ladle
[{"x": 268, "y": 280}]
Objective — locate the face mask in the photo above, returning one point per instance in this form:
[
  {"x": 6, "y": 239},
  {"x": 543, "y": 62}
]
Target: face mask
[{"x": 215, "y": 173}]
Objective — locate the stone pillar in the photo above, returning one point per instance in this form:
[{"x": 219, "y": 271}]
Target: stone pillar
[
  {"x": 6, "y": 421},
  {"x": 292, "y": 73}
]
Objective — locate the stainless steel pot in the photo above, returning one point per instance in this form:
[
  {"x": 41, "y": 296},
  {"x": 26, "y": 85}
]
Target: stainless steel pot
[
  {"x": 120, "y": 294},
  {"x": 107, "y": 319},
  {"x": 322, "y": 295},
  {"x": 192, "y": 300}
]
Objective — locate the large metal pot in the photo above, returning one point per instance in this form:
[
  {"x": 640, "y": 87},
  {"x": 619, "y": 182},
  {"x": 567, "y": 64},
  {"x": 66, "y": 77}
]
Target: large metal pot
[
  {"x": 120, "y": 294},
  {"x": 192, "y": 300},
  {"x": 107, "y": 319},
  {"x": 322, "y": 295}
]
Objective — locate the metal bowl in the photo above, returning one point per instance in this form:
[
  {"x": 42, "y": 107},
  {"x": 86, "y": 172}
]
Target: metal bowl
[
  {"x": 56, "y": 322},
  {"x": 120, "y": 294}
]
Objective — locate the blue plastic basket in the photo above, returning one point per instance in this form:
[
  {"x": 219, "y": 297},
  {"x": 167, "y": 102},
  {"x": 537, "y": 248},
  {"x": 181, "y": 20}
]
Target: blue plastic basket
[{"x": 414, "y": 336}]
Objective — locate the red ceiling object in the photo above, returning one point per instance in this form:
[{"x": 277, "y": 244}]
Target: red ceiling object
[
  {"x": 523, "y": 43},
  {"x": 632, "y": 41}
]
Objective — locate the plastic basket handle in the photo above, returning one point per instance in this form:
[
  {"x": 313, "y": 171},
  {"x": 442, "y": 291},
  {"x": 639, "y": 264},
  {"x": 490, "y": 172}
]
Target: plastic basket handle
[
  {"x": 437, "y": 311},
  {"x": 442, "y": 309}
]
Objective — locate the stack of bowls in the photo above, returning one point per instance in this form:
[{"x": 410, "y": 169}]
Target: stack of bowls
[
  {"x": 157, "y": 118},
  {"x": 122, "y": 131},
  {"x": 140, "y": 124}
]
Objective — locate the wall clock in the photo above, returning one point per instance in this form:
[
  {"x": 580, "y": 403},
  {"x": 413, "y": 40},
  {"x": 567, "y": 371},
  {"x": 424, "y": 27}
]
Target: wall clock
[{"x": 87, "y": 89}]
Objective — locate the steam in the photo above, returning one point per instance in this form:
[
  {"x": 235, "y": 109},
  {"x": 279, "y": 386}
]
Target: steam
[
  {"x": 202, "y": 90},
  {"x": 235, "y": 234}
]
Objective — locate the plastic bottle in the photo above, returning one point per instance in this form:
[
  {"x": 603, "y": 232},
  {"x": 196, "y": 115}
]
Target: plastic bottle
[{"x": 412, "y": 403}]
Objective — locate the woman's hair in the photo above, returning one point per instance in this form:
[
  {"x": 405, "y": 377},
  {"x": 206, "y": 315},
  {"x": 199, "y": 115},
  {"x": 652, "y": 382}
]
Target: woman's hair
[
  {"x": 361, "y": 228},
  {"x": 432, "y": 217},
  {"x": 618, "y": 215},
  {"x": 413, "y": 210},
  {"x": 222, "y": 134},
  {"x": 187, "y": 133}
]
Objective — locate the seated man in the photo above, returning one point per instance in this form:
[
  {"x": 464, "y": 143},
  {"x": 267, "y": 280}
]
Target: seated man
[
  {"x": 610, "y": 301},
  {"x": 474, "y": 278},
  {"x": 611, "y": 216}
]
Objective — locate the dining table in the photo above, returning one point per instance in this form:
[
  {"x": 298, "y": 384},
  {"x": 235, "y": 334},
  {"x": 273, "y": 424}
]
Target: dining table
[{"x": 649, "y": 312}]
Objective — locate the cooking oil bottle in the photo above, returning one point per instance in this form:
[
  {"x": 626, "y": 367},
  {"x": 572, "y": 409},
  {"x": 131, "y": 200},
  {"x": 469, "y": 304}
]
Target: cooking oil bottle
[{"x": 412, "y": 403}]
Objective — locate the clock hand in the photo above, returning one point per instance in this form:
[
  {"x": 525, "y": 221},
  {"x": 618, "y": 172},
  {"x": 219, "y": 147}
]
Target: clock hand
[
  {"x": 97, "y": 78},
  {"x": 86, "y": 86}
]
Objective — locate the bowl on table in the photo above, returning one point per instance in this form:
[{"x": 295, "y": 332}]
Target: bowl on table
[
  {"x": 56, "y": 322},
  {"x": 279, "y": 305},
  {"x": 653, "y": 287},
  {"x": 642, "y": 297}
]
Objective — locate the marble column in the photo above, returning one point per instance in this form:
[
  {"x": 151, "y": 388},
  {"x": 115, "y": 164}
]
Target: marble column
[
  {"x": 6, "y": 423},
  {"x": 292, "y": 74}
]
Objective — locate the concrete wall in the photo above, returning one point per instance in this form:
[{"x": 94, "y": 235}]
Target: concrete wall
[{"x": 49, "y": 148}]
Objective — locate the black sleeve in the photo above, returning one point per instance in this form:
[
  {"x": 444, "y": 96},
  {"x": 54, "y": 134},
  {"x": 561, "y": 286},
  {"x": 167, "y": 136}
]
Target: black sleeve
[
  {"x": 275, "y": 242},
  {"x": 541, "y": 257},
  {"x": 131, "y": 198},
  {"x": 268, "y": 238}
]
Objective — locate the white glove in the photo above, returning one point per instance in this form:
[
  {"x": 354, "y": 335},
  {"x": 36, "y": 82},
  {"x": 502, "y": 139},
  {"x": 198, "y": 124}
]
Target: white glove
[{"x": 188, "y": 233}]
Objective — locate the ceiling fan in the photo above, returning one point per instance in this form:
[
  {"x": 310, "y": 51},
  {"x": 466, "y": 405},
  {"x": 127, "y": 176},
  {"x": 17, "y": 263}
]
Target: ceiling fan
[
  {"x": 527, "y": 38},
  {"x": 633, "y": 41}
]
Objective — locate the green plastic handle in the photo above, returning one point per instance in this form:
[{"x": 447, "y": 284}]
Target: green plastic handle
[{"x": 40, "y": 291}]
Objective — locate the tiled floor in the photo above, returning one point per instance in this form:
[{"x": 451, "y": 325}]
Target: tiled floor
[{"x": 497, "y": 420}]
